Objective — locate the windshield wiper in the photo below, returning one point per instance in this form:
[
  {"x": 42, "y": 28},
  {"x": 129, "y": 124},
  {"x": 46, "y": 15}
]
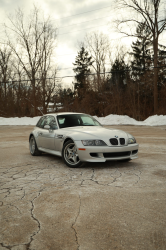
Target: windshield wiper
[{"x": 89, "y": 125}]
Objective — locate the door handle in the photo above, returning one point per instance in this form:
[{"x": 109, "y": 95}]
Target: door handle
[
  {"x": 40, "y": 133},
  {"x": 58, "y": 136}
]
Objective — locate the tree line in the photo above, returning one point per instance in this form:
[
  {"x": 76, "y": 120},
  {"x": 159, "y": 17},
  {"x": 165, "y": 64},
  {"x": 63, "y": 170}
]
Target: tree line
[
  {"x": 27, "y": 68},
  {"x": 127, "y": 87},
  {"x": 135, "y": 83},
  {"x": 108, "y": 78}
]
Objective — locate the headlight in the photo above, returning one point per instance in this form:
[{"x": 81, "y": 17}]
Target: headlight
[
  {"x": 94, "y": 143},
  {"x": 131, "y": 139}
]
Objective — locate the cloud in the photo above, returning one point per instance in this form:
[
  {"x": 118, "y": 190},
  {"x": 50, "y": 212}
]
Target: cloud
[{"x": 74, "y": 19}]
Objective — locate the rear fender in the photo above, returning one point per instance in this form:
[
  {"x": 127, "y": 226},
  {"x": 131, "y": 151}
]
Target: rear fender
[{"x": 33, "y": 133}]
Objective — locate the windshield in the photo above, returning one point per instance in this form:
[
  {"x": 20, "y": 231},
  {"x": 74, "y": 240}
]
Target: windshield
[{"x": 74, "y": 120}]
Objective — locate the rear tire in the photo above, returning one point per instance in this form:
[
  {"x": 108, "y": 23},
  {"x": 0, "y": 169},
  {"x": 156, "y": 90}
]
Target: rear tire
[{"x": 33, "y": 147}]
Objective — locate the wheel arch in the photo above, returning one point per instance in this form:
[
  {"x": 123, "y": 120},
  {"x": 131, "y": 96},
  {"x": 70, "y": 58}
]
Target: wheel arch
[
  {"x": 67, "y": 139},
  {"x": 31, "y": 134}
]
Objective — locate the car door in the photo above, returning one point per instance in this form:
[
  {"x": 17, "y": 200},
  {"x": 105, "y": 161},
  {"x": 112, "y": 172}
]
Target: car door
[
  {"x": 40, "y": 130},
  {"x": 48, "y": 135},
  {"x": 60, "y": 133}
]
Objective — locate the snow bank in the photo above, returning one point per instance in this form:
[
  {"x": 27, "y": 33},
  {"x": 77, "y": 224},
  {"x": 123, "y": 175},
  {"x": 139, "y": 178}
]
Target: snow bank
[
  {"x": 118, "y": 120},
  {"x": 19, "y": 121},
  {"x": 156, "y": 120}
]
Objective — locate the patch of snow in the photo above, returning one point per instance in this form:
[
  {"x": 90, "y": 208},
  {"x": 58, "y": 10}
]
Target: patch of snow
[
  {"x": 156, "y": 120},
  {"x": 19, "y": 121},
  {"x": 117, "y": 120}
]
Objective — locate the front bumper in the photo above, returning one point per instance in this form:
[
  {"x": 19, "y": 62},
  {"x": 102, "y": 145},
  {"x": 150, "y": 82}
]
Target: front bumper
[{"x": 106, "y": 153}]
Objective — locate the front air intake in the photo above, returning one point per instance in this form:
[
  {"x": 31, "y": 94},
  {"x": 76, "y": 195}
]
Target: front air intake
[
  {"x": 134, "y": 152},
  {"x": 122, "y": 141},
  {"x": 116, "y": 154},
  {"x": 94, "y": 154},
  {"x": 114, "y": 141}
]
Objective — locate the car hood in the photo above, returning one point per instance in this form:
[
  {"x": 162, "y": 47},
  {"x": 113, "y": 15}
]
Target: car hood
[{"x": 93, "y": 132}]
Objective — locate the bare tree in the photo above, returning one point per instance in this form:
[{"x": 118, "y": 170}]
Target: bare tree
[
  {"x": 20, "y": 86},
  {"x": 5, "y": 75},
  {"x": 47, "y": 68},
  {"x": 150, "y": 12},
  {"x": 98, "y": 46},
  {"x": 35, "y": 37}
]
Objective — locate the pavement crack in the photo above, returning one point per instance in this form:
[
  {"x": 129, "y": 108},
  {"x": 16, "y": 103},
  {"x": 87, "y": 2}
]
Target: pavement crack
[
  {"x": 15, "y": 207},
  {"x": 10, "y": 246},
  {"x": 82, "y": 182},
  {"x": 75, "y": 231},
  {"x": 8, "y": 191},
  {"x": 23, "y": 196},
  {"x": 138, "y": 175},
  {"x": 115, "y": 178},
  {"x": 92, "y": 176},
  {"x": 35, "y": 219},
  {"x": 139, "y": 178},
  {"x": 5, "y": 247}
]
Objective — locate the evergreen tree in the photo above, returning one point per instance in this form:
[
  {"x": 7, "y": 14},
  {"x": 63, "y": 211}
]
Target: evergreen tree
[
  {"x": 141, "y": 66},
  {"x": 161, "y": 66},
  {"x": 143, "y": 56},
  {"x": 142, "y": 52},
  {"x": 119, "y": 72},
  {"x": 82, "y": 63}
]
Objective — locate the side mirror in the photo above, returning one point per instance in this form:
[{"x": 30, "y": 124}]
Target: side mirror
[
  {"x": 46, "y": 127},
  {"x": 53, "y": 126}
]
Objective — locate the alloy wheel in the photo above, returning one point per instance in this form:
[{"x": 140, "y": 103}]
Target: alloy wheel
[
  {"x": 71, "y": 155},
  {"x": 32, "y": 145}
]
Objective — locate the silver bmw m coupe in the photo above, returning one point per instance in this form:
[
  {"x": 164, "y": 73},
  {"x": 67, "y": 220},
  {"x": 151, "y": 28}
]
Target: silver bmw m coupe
[{"x": 79, "y": 138}]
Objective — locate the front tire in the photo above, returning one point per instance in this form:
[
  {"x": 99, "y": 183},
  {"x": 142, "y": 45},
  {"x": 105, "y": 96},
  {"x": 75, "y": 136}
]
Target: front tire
[
  {"x": 33, "y": 147},
  {"x": 70, "y": 155}
]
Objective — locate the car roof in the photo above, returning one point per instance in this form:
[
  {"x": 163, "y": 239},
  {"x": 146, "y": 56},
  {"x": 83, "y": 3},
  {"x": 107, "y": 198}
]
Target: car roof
[{"x": 63, "y": 113}]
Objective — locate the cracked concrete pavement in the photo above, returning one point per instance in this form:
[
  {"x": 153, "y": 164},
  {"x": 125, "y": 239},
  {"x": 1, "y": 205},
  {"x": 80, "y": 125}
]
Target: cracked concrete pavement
[{"x": 44, "y": 205}]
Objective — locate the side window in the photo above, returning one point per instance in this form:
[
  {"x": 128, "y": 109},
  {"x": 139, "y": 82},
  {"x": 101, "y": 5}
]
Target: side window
[
  {"x": 47, "y": 120},
  {"x": 44, "y": 122},
  {"x": 52, "y": 123},
  {"x": 61, "y": 120},
  {"x": 39, "y": 124}
]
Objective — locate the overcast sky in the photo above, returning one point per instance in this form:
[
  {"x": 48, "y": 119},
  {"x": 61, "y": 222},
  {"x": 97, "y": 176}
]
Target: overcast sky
[{"x": 74, "y": 19}]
